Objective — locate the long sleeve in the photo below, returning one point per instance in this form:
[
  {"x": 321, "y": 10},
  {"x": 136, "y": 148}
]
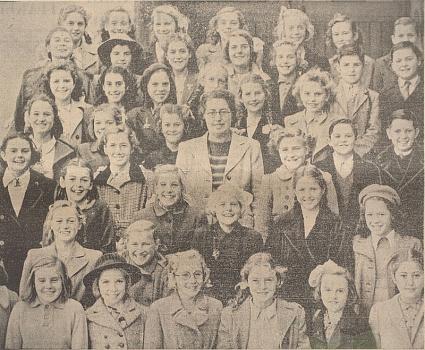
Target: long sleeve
[
  {"x": 224, "y": 339},
  {"x": 153, "y": 330},
  {"x": 256, "y": 176},
  {"x": 331, "y": 196},
  {"x": 374, "y": 325},
  {"x": 303, "y": 341},
  {"x": 264, "y": 210},
  {"x": 108, "y": 234},
  {"x": 79, "y": 329},
  {"x": 364, "y": 143},
  {"x": 13, "y": 335}
]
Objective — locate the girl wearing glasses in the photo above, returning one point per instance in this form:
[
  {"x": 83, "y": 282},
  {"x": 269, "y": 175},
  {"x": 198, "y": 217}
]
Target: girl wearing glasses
[
  {"x": 187, "y": 319},
  {"x": 220, "y": 156}
]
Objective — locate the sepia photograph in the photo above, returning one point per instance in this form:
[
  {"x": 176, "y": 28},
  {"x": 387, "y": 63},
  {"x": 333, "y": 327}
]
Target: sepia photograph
[{"x": 212, "y": 174}]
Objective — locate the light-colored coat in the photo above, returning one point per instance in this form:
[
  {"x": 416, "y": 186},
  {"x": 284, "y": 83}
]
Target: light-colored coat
[
  {"x": 235, "y": 324},
  {"x": 244, "y": 168},
  {"x": 389, "y": 329},
  {"x": 365, "y": 117},
  {"x": 106, "y": 333},
  {"x": 81, "y": 263},
  {"x": 170, "y": 326},
  {"x": 365, "y": 266}
]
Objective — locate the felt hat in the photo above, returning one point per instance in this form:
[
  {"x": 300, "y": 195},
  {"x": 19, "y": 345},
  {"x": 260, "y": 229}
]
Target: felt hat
[{"x": 105, "y": 48}]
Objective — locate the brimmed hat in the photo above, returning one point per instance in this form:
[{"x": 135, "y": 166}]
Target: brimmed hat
[
  {"x": 381, "y": 191},
  {"x": 104, "y": 49},
  {"x": 243, "y": 197},
  {"x": 111, "y": 261}
]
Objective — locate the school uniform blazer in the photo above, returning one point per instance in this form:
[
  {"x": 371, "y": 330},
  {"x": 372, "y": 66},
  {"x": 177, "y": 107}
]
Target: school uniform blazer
[
  {"x": 244, "y": 167},
  {"x": 367, "y": 73},
  {"x": 389, "y": 329},
  {"x": 351, "y": 332},
  {"x": 20, "y": 233},
  {"x": 235, "y": 325},
  {"x": 321, "y": 131},
  {"x": 170, "y": 326},
  {"x": 105, "y": 332},
  {"x": 365, "y": 117},
  {"x": 81, "y": 262},
  {"x": 365, "y": 266},
  {"x": 30, "y": 84},
  {"x": 383, "y": 75}
]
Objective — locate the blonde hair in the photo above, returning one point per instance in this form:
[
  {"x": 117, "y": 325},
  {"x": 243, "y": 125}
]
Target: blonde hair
[{"x": 279, "y": 30}]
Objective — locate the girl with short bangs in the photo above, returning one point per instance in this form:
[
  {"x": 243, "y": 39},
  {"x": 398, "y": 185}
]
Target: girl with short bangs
[{"x": 47, "y": 317}]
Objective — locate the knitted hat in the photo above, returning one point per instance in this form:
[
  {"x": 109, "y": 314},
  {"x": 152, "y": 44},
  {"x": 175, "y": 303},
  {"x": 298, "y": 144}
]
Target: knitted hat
[
  {"x": 381, "y": 191},
  {"x": 111, "y": 261}
]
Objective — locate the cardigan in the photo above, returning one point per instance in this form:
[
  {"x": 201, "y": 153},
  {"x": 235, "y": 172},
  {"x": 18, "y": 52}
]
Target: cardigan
[
  {"x": 235, "y": 324},
  {"x": 170, "y": 326},
  {"x": 18, "y": 234}
]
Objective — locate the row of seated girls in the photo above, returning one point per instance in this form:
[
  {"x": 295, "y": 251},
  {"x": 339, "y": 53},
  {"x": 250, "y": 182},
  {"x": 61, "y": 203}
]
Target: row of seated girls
[{"x": 271, "y": 199}]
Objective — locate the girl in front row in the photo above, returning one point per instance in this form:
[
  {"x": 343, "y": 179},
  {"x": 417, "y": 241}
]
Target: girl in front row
[
  {"x": 46, "y": 317},
  {"x": 380, "y": 235},
  {"x": 335, "y": 324},
  {"x": 398, "y": 323},
  {"x": 257, "y": 318}
]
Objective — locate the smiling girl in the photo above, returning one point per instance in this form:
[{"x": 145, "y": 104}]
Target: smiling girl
[
  {"x": 116, "y": 21},
  {"x": 47, "y": 317},
  {"x": 188, "y": 318}
]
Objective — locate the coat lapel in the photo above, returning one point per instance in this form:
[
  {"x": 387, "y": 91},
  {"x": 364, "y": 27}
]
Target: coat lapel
[
  {"x": 364, "y": 246},
  {"x": 360, "y": 99},
  {"x": 238, "y": 148},
  {"x": 32, "y": 196},
  {"x": 78, "y": 262},
  {"x": 201, "y": 155},
  {"x": 285, "y": 318},
  {"x": 62, "y": 150},
  {"x": 5, "y": 201},
  {"x": 100, "y": 315},
  {"x": 419, "y": 323},
  {"x": 244, "y": 314},
  {"x": 180, "y": 315},
  {"x": 189, "y": 86}
]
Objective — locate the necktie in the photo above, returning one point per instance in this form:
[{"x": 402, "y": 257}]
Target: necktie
[
  {"x": 17, "y": 183},
  {"x": 406, "y": 89}
]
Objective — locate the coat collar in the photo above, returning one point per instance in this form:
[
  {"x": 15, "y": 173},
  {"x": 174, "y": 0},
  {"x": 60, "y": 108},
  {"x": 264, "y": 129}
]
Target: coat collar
[
  {"x": 160, "y": 211},
  {"x": 136, "y": 175},
  {"x": 62, "y": 150},
  {"x": 360, "y": 99},
  {"x": 98, "y": 313},
  {"x": 77, "y": 263}
]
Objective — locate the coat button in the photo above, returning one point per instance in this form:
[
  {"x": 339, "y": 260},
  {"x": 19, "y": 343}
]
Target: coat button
[
  {"x": 105, "y": 336},
  {"x": 117, "y": 206},
  {"x": 228, "y": 177},
  {"x": 121, "y": 335},
  {"x": 107, "y": 346},
  {"x": 121, "y": 345},
  {"x": 1, "y": 217},
  {"x": 1, "y": 243},
  {"x": 286, "y": 207},
  {"x": 77, "y": 137},
  {"x": 116, "y": 192}
]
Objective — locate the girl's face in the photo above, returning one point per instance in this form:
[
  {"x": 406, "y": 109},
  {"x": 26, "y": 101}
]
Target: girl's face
[
  {"x": 239, "y": 51},
  {"x": 295, "y": 30},
  {"x": 159, "y": 87},
  {"x": 342, "y": 139},
  {"x": 118, "y": 149},
  {"x": 121, "y": 56},
  {"x": 61, "y": 45},
  {"x": 163, "y": 26},
  {"x": 172, "y": 127},
  {"x": 41, "y": 117},
  {"x": 76, "y": 25},
  {"x": 334, "y": 292},
  {"x": 215, "y": 80},
  {"x": 292, "y": 152},
  {"x": 227, "y": 23},
  {"x": 405, "y": 63},
  {"x": 118, "y": 23},
  {"x": 189, "y": 278},
  {"x": 77, "y": 183},
  {"x": 308, "y": 192},
  {"x": 101, "y": 121},
  {"x": 112, "y": 287},
  {"x": 262, "y": 283},
  {"x": 253, "y": 97},
  {"x": 228, "y": 210},
  {"x": 114, "y": 87},
  {"x": 313, "y": 96},
  {"x": 65, "y": 224},
  {"x": 286, "y": 60},
  {"x": 141, "y": 247},
  {"x": 178, "y": 55},
  {"x": 61, "y": 84},
  {"x": 378, "y": 217},
  {"x": 342, "y": 34},
  {"x": 17, "y": 155},
  {"x": 48, "y": 284},
  {"x": 409, "y": 279},
  {"x": 218, "y": 116},
  {"x": 168, "y": 190}
]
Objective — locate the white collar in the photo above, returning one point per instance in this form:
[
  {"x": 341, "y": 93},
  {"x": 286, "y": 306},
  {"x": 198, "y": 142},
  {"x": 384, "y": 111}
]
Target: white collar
[
  {"x": 8, "y": 177},
  {"x": 115, "y": 171},
  {"x": 403, "y": 154},
  {"x": 390, "y": 236},
  {"x": 413, "y": 82},
  {"x": 46, "y": 147}
]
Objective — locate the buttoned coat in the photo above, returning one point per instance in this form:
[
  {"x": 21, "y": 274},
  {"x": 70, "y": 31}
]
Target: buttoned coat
[
  {"x": 235, "y": 325},
  {"x": 170, "y": 326},
  {"x": 319, "y": 132},
  {"x": 81, "y": 262},
  {"x": 277, "y": 197},
  {"x": 105, "y": 332},
  {"x": 20, "y": 233},
  {"x": 365, "y": 117},
  {"x": 244, "y": 168},
  {"x": 388, "y": 326},
  {"x": 365, "y": 267}
]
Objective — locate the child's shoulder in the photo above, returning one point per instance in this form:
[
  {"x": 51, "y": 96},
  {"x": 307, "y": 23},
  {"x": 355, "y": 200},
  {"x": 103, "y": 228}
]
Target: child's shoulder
[{"x": 72, "y": 305}]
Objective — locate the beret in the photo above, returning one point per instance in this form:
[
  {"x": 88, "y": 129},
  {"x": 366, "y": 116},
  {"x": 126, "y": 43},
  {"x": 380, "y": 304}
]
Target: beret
[{"x": 381, "y": 191}]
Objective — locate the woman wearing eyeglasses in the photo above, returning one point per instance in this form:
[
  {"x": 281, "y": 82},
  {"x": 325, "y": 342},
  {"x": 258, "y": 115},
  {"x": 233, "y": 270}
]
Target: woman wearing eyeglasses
[
  {"x": 187, "y": 319},
  {"x": 220, "y": 156}
]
